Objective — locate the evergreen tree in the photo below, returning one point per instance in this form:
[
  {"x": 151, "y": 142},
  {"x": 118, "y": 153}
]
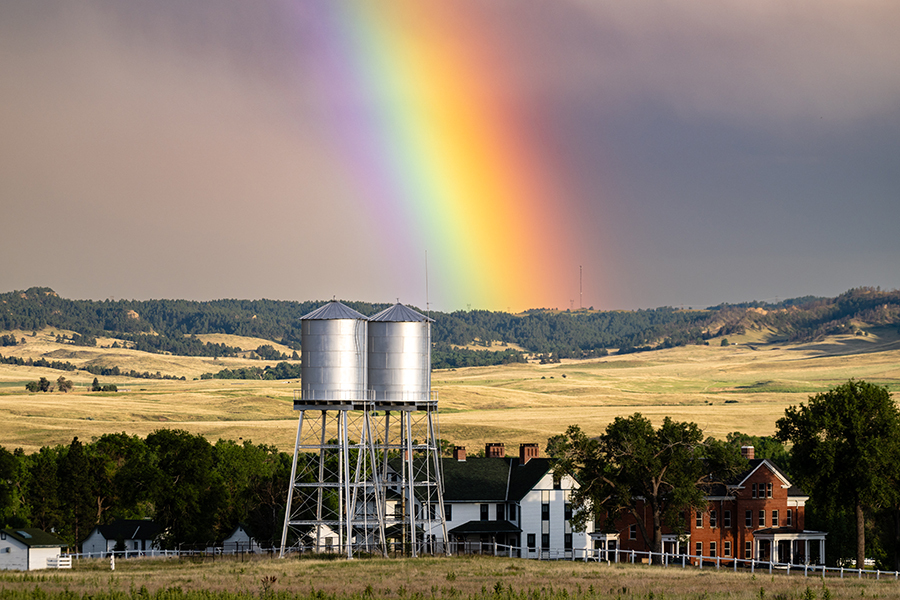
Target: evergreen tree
[
  {"x": 42, "y": 490},
  {"x": 77, "y": 478}
]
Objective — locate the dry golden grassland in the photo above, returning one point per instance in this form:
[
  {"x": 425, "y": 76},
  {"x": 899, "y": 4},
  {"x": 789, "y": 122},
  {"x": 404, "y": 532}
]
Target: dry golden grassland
[
  {"x": 743, "y": 387},
  {"x": 418, "y": 579}
]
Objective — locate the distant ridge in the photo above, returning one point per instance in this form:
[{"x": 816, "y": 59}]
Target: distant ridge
[{"x": 168, "y": 325}]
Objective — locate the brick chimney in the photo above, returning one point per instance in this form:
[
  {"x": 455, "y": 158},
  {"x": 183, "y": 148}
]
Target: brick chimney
[
  {"x": 527, "y": 452},
  {"x": 747, "y": 452},
  {"x": 459, "y": 453},
  {"x": 494, "y": 450}
]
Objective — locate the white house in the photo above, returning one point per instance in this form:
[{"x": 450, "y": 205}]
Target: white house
[
  {"x": 133, "y": 536},
  {"x": 513, "y": 502},
  {"x": 28, "y": 549}
]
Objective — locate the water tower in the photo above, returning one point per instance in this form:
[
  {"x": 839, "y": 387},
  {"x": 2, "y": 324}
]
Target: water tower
[{"x": 370, "y": 467}]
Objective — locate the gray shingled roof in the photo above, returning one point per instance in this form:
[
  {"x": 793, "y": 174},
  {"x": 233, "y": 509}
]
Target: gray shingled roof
[
  {"x": 334, "y": 310},
  {"x": 399, "y": 313},
  {"x": 491, "y": 479},
  {"x": 35, "y": 538},
  {"x": 129, "y": 529}
]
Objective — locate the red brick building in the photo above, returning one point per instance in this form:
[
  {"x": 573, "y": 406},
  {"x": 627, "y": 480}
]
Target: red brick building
[{"x": 758, "y": 515}]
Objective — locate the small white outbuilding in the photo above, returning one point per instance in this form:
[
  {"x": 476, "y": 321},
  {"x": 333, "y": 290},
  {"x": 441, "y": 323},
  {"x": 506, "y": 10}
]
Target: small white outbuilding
[
  {"x": 28, "y": 549},
  {"x": 240, "y": 540}
]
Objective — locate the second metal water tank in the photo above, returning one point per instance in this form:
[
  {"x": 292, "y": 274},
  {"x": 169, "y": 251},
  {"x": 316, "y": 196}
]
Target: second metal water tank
[{"x": 399, "y": 343}]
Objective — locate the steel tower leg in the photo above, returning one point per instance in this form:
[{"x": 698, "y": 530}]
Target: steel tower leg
[
  {"x": 290, "y": 498},
  {"x": 321, "y": 490},
  {"x": 410, "y": 487},
  {"x": 378, "y": 483},
  {"x": 439, "y": 477}
]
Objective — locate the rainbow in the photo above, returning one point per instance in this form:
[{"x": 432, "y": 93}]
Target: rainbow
[{"x": 433, "y": 132}]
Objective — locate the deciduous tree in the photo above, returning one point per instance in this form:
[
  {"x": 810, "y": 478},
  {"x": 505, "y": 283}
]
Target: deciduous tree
[
  {"x": 846, "y": 449},
  {"x": 187, "y": 492},
  {"x": 632, "y": 466},
  {"x": 64, "y": 385}
]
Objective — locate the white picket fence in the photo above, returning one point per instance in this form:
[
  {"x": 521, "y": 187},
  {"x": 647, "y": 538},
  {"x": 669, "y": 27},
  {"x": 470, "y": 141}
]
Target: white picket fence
[
  {"x": 663, "y": 560},
  {"x": 60, "y": 562}
]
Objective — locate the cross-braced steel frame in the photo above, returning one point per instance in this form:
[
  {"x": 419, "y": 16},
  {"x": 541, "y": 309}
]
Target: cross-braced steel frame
[{"x": 367, "y": 475}]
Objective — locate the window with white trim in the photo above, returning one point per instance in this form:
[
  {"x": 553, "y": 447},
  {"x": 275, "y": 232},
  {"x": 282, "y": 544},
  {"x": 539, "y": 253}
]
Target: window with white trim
[
  {"x": 713, "y": 519},
  {"x": 712, "y": 549},
  {"x": 699, "y": 519},
  {"x": 726, "y": 519},
  {"x": 789, "y": 522},
  {"x": 726, "y": 548}
]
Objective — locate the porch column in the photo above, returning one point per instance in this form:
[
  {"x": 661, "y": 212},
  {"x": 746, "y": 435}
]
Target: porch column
[{"x": 822, "y": 551}]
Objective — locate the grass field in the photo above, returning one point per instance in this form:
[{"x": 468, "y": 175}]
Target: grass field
[
  {"x": 743, "y": 387},
  {"x": 419, "y": 579}
]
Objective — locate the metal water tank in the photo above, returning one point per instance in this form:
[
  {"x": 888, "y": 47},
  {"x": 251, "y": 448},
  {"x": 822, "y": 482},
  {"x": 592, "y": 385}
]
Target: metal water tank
[
  {"x": 399, "y": 355},
  {"x": 333, "y": 351}
]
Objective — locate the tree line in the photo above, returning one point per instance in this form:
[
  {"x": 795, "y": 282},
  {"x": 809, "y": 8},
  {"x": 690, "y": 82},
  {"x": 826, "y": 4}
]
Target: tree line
[
  {"x": 282, "y": 370},
  {"x": 196, "y": 491},
  {"x": 113, "y": 371},
  {"x": 168, "y": 325}
]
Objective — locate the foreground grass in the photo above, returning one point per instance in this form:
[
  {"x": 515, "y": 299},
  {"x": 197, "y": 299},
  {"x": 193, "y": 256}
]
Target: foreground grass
[{"x": 418, "y": 579}]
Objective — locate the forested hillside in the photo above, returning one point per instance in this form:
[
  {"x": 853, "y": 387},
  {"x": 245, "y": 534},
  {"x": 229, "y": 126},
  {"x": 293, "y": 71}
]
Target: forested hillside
[{"x": 170, "y": 325}]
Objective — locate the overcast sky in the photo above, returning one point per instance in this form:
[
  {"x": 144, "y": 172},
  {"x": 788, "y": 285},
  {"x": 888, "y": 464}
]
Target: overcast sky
[{"x": 709, "y": 151}]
